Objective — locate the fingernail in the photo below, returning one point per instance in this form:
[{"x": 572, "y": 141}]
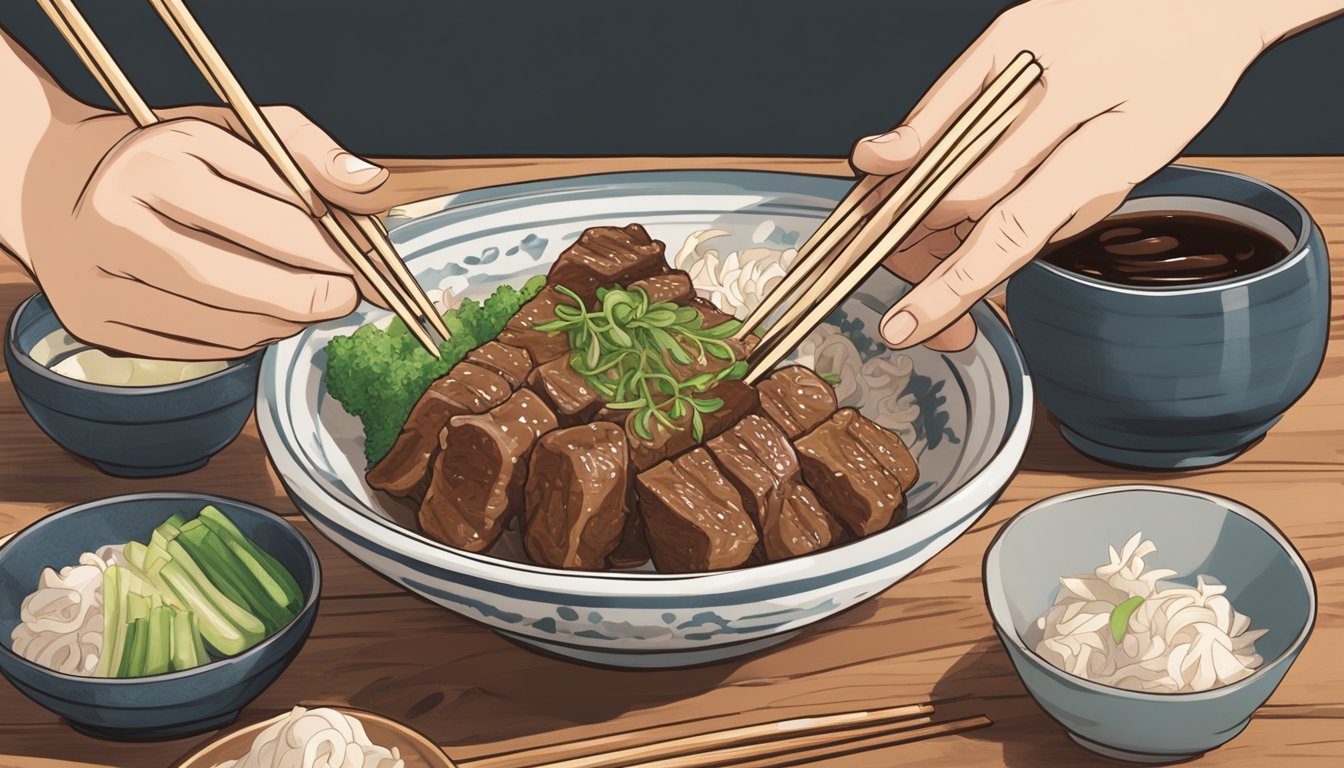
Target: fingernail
[
  {"x": 357, "y": 168},
  {"x": 883, "y": 138},
  {"x": 899, "y": 328}
]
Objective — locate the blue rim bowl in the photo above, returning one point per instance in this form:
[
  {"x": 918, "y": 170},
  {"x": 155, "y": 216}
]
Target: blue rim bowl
[
  {"x": 1196, "y": 534},
  {"x": 128, "y": 431},
  {"x": 1180, "y": 376},
  {"x": 161, "y": 706}
]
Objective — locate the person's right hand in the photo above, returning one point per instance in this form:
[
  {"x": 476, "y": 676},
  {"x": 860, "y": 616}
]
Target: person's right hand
[
  {"x": 180, "y": 241},
  {"x": 1126, "y": 84}
]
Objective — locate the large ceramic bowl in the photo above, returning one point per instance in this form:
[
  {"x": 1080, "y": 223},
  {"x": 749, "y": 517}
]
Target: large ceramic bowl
[
  {"x": 975, "y": 415},
  {"x": 1195, "y": 534}
]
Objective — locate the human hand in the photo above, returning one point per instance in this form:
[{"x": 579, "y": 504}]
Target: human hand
[
  {"x": 180, "y": 241},
  {"x": 1125, "y": 86}
]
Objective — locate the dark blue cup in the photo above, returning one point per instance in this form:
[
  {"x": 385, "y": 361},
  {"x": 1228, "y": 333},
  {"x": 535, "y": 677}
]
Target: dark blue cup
[
  {"x": 128, "y": 431},
  {"x": 1188, "y": 376},
  {"x": 160, "y": 706}
]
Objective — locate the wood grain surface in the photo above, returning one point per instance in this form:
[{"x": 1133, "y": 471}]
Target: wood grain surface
[{"x": 379, "y": 648}]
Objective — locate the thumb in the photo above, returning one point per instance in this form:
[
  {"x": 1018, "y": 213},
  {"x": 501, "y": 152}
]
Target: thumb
[
  {"x": 887, "y": 153},
  {"x": 337, "y": 174},
  {"x": 1077, "y": 186}
]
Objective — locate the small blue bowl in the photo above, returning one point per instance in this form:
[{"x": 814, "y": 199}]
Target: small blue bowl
[
  {"x": 1186, "y": 376},
  {"x": 1196, "y": 534},
  {"x": 128, "y": 431},
  {"x": 162, "y": 706}
]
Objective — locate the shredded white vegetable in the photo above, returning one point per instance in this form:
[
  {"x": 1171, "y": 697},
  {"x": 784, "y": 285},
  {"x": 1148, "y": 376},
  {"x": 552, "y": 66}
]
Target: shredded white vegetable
[
  {"x": 61, "y": 624},
  {"x": 1178, "y": 640},
  {"x": 316, "y": 738},
  {"x": 736, "y": 283},
  {"x": 876, "y": 385}
]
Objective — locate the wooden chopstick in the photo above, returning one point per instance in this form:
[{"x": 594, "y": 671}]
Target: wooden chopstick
[
  {"x": 778, "y": 747},
  {"x": 973, "y": 133},
  {"x": 844, "y": 747},
  {"x": 72, "y": 26},
  {"x": 866, "y": 195},
  {"x": 620, "y": 749},
  {"x": 193, "y": 39},
  {"x": 259, "y": 131},
  {"x": 372, "y": 229},
  {"x": 1001, "y": 96},
  {"x": 972, "y": 122},
  {"x": 84, "y": 41},
  {"x": 816, "y": 252}
]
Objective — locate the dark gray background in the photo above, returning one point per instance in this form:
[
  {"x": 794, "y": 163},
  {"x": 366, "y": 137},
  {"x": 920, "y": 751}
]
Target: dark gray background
[{"x": 518, "y": 77}]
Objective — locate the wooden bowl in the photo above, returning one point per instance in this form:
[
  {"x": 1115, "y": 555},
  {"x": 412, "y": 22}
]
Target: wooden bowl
[{"x": 416, "y": 750}]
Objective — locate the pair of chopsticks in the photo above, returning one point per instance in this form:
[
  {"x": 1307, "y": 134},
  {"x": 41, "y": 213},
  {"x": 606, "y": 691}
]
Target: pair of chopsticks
[
  {"x": 877, "y": 215},
  {"x": 402, "y": 293},
  {"x": 769, "y": 745}
]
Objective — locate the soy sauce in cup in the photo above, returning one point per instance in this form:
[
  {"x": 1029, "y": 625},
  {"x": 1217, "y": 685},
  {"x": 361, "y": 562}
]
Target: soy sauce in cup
[
  {"x": 1178, "y": 331},
  {"x": 1157, "y": 248}
]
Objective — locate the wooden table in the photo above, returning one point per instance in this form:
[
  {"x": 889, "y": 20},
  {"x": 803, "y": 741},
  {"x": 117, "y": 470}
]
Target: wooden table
[{"x": 379, "y": 648}]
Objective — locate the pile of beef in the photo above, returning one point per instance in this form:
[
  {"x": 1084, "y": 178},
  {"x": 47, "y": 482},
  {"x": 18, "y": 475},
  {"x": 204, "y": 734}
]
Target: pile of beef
[{"x": 513, "y": 433}]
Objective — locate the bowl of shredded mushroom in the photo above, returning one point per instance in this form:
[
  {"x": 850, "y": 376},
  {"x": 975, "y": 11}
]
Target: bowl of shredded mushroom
[
  {"x": 321, "y": 737},
  {"x": 1150, "y": 622}
]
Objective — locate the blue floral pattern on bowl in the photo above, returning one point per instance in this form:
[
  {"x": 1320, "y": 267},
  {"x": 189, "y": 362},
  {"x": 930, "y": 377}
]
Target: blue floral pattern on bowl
[{"x": 975, "y": 422}]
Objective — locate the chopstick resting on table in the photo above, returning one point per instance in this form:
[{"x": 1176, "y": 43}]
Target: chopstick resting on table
[
  {"x": 879, "y": 233},
  {"x": 783, "y": 742},
  {"x": 401, "y": 298}
]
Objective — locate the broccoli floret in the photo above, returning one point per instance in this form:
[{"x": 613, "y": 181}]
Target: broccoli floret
[{"x": 378, "y": 375}]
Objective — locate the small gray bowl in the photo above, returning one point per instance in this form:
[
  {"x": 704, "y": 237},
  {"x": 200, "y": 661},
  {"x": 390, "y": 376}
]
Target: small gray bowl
[
  {"x": 1185, "y": 376},
  {"x": 161, "y": 706},
  {"x": 128, "y": 431},
  {"x": 1196, "y": 534}
]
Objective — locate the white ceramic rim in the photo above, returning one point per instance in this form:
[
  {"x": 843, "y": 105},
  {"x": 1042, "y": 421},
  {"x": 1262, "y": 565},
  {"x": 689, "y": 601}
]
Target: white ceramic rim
[{"x": 830, "y": 566}]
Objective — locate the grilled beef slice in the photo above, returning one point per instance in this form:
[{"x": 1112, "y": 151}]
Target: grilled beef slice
[
  {"x": 520, "y": 330},
  {"x": 577, "y": 497},
  {"x": 604, "y": 257},
  {"x": 675, "y": 287},
  {"x": 738, "y": 400},
  {"x": 479, "y": 475},
  {"x": 513, "y": 364},
  {"x": 565, "y": 391},
  {"x": 889, "y": 450},
  {"x": 694, "y": 516},
  {"x": 856, "y": 474},
  {"x": 632, "y": 550},
  {"x": 796, "y": 399},
  {"x": 713, "y": 315},
  {"x": 757, "y": 459},
  {"x": 466, "y": 389}
]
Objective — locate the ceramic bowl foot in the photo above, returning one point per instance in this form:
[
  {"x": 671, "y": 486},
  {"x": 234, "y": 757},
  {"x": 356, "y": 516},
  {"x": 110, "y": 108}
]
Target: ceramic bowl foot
[
  {"x": 1151, "y": 459},
  {"x": 124, "y": 471},
  {"x": 652, "y": 660},
  {"x": 156, "y": 733}
]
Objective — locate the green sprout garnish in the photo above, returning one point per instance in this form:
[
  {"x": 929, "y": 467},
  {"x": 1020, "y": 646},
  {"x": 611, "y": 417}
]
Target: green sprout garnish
[
  {"x": 627, "y": 350},
  {"x": 1120, "y": 617}
]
